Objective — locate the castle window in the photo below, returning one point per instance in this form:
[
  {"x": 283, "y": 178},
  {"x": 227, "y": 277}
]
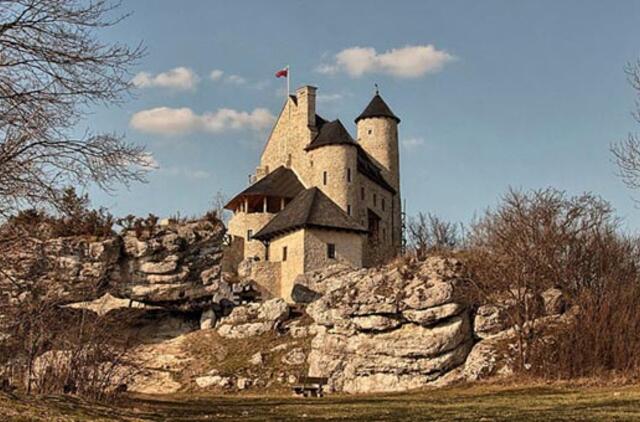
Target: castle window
[
  {"x": 310, "y": 163},
  {"x": 369, "y": 131},
  {"x": 284, "y": 253},
  {"x": 331, "y": 250},
  {"x": 349, "y": 209},
  {"x": 349, "y": 175},
  {"x": 383, "y": 204},
  {"x": 362, "y": 193},
  {"x": 249, "y": 234},
  {"x": 324, "y": 177},
  {"x": 266, "y": 252},
  {"x": 375, "y": 199}
]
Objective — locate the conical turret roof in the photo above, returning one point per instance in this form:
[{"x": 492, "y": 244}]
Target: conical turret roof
[{"x": 377, "y": 108}]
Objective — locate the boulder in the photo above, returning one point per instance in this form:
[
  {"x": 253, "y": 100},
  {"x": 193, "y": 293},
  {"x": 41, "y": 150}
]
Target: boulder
[
  {"x": 490, "y": 320},
  {"x": 208, "y": 319},
  {"x": 303, "y": 294}
]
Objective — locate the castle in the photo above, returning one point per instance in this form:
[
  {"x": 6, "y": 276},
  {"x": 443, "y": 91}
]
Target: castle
[{"x": 320, "y": 197}]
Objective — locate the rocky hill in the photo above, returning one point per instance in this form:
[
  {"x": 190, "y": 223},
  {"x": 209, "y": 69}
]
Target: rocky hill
[{"x": 392, "y": 328}]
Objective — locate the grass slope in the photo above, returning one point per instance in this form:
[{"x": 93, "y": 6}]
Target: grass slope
[{"x": 467, "y": 403}]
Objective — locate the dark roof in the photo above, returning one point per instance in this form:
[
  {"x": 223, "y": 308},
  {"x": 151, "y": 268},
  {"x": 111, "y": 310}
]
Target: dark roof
[
  {"x": 330, "y": 133},
  {"x": 367, "y": 167},
  {"x": 377, "y": 108},
  {"x": 282, "y": 182},
  {"x": 309, "y": 209},
  {"x": 334, "y": 133}
]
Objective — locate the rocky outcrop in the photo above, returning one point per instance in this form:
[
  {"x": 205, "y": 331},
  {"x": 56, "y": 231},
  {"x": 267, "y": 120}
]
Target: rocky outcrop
[
  {"x": 174, "y": 265},
  {"x": 253, "y": 319},
  {"x": 388, "y": 330}
]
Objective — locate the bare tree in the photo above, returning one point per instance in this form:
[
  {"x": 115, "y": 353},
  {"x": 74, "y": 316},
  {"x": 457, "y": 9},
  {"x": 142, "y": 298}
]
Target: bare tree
[
  {"x": 53, "y": 68},
  {"x": 427, "y": 233},
  {"x": 626, "y": 153}
]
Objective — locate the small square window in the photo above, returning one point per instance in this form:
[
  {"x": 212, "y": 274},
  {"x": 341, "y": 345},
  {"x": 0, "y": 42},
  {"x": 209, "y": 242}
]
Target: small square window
[
  {"x": 331, "y": 250},
  {"x": 369, "y": 132},
  {"x": 249, "y": 234},
  {"x": 284, "y": 253}
]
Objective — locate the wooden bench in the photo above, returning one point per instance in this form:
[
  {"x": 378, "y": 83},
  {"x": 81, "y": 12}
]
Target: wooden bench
[{"x": 310, "y": 387}]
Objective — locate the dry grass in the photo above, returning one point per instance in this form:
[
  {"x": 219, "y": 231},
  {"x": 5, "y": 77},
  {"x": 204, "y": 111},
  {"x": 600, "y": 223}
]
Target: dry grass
[{"x": 489, "y": 402}]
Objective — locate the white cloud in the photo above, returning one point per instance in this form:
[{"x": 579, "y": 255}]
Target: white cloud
[
  {"x": 186, "y": 172},
  {"x": 179, "y": 78},
  {"x": 216, "y": 74},
  {"x": 411, "y": 143},
  {"x": 173, "y": 121},
  {"x": 405, "y": 62},
  {"x": 235, "y": 79},
  {"x": 327, "y": 98}
]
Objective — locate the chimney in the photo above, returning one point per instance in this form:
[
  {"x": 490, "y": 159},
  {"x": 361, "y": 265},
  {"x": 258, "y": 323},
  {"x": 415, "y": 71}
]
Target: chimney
[{"x": 306, "y": 96}]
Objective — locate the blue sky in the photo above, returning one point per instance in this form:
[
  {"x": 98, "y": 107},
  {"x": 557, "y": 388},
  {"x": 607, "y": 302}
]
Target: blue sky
[{"x": 491, "y": 94}]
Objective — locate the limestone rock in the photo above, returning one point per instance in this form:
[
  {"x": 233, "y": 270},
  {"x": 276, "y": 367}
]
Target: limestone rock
[
  {"x": 294, "y": 357},
  {"x": 303, "y": 294},
  {"x": 256, "y": 359},
  {"x": 490, "y": 320},
  {"x": 390, "y": 328},
  {"x": 253, "y": 319},
  {"x": 554, "y": 301},
  {"x": 208, "y": 319},
  {"x": 168, "y": 265},
  {"x": 432, "y": 315},
  {"x": 213, "y": 381},
  {"x": 375, "y": 323},
  {"x": 108, "y": 303}
]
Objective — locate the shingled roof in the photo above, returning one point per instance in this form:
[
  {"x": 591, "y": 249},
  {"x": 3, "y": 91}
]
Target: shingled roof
[
  {"x": 331, "y": 133},
  {"x": 282, "y": 182},
  {"x": 367, "y": 167},
  {"x": 309, "y": 209},
  {"x": 377, "y": 108}
]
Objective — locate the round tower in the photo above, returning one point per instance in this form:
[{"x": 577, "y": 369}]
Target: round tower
[
  {"x": 377, "y": 129},
  {"x": 377, "y": 132}
]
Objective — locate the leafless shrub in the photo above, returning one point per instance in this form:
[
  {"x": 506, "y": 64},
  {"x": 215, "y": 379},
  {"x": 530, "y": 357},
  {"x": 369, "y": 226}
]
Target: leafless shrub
[
  {"x": 428, "y": 233},
  {"x": 602, "y": 340},
  {"x": 542, "y": 239}
]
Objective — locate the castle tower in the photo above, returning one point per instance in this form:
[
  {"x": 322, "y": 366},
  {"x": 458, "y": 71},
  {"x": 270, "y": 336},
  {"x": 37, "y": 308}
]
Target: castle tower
[{"x": 377, "y": 133}]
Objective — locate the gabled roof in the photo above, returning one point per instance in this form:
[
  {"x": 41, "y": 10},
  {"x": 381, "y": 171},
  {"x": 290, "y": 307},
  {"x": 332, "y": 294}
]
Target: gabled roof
[
  {"x": 282, "y": 182},
  {"x": 309, "y": 209},
  {"x": 331, "y": 133},
  {"x": 377, "y": 108}
]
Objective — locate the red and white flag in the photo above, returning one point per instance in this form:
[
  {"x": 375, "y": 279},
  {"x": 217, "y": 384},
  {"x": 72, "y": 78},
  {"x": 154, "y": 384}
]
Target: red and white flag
[{"x": 284, "y": 73}]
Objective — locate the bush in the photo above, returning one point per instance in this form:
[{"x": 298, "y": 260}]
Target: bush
[{"x": 543, "y": 239}]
